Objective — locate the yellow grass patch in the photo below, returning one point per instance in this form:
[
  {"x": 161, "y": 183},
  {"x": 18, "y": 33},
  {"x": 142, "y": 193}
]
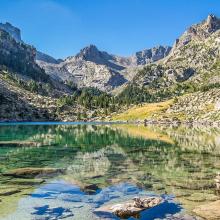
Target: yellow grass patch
[{"x": 142, "y": 112}]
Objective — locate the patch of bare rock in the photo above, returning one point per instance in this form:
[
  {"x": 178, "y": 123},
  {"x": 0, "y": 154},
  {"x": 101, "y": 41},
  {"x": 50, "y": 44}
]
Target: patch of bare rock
[{"x": 131, "y": 207}]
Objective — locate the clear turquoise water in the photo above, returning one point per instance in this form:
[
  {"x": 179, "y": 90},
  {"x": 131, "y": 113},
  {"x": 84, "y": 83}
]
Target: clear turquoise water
[{"x": 119, "y": 161}]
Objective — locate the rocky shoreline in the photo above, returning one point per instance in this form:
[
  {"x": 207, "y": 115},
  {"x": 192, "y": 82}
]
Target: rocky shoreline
[
  {"x": 178, "y": 122},
  {"x": 145, "y": 122}
]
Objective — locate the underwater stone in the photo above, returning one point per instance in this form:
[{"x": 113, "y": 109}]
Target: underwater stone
[
  {"x": 8, "y": 192},
  {"x": 209, "y": 211},
  {"x": 31, "y": 172}
]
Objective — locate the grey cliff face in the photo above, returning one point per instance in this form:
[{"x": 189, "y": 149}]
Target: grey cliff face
[
  {"x": 152, "y": 55},
  {"x": 199, "y": 31},
  {"x": 15, "y": 33},
  {"x": 194, "y": 55},
  {"x": 20, "y": 57},
  {"x": 212, "y": 23},
  {"x": 94, "y": 68},
  {"x": 92, "y": 54}
]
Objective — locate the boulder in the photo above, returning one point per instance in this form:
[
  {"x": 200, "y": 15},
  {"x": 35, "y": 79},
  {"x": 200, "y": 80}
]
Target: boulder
[
  {"x": 131, "y": 207},
  {"x": 210, "y": 211},
  {"x": 90, "y": 189},
  {"x": 26, "y": 182}
]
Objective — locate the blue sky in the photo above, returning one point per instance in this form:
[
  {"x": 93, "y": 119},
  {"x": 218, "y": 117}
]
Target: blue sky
[{"x": 62, "y": 27}]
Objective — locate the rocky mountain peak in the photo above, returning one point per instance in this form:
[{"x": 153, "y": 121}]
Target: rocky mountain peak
[
  {"x": 13, "y": 31},
  {"x": 212, "y": 23},
  {"x": 205, "y": 28},
  {"x": 89, "y": 53},
  {"x": 93, "y": 54},
  {"x": 199, "y": 31}
]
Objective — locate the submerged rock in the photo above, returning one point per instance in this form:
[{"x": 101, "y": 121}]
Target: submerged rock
[
  {"x": 180, "y": 216},
  {"x": 201, "y": 197},
  {"x": 32, "y": 172},
  {"x": 209, "y": 211},
  {"x": 90, "y": 189},
  {"x": 27, "y": 182},
  {"x": 19, "y": 143},
  {"x": 8, "y": 192},
  {"x": 131, "y": 207}
]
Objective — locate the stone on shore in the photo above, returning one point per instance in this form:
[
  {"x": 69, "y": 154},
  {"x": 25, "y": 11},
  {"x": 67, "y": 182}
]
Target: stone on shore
[{"x": 131, "y": 207}]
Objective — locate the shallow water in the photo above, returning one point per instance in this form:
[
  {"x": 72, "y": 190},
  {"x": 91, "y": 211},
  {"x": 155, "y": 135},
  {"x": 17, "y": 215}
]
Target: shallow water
[{"x": 104, "y": 164}]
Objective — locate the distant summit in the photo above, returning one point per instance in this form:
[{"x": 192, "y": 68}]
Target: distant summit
[
  {"x": 89, "y": 53},
  {"x": 212, "y": 23},
  {"x": 199, "y": 31},
  {"x": 92, "y": 67}
]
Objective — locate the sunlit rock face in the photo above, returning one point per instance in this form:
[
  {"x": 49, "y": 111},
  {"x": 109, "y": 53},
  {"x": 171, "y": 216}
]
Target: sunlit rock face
[
  {"x": 194, "y": 57},
  {"x": 131, "y": 208},
  {"x": 151, "y": 55},
  {"x": 199, "y": 31},
  {"x": 94, "y": 68}
]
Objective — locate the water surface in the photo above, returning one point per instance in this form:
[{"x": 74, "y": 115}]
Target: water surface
[{"x": 106, "y": 163}]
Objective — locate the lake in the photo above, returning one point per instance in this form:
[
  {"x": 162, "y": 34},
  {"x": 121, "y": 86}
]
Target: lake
[{"x": 99, "y": 164}]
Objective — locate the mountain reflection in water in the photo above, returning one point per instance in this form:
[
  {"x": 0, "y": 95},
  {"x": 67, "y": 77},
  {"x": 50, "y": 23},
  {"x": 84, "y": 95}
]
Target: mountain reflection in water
[{"x": 106, "y": 164}]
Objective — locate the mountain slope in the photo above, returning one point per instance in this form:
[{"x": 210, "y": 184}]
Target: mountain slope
[
  {"x": 91, "y": 67},
  {"x": 195, "y": 54},
  {"x": 20, "y": 57},
  {"x": 26, "y": 91},
  {"x": 187, "y": 77},
  {"x": 94, "y": 68},
  {"x": 197, "y": 107},
  {"x": 190, "y": 74}
]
